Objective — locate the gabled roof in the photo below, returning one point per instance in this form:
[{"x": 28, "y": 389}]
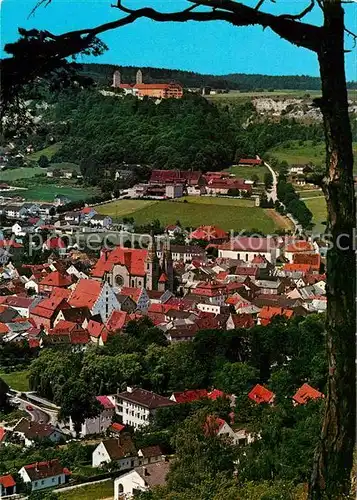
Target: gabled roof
[
  {"x": 105, "y": 402},
  {"x": 56, "y": 279},
  {"x": 133, "y": 259},
  {"x": 41, "y": 470},
  {"x": 47, "y": 307},
  {"x": 145, "y": 398},
  {"x": 260, "y": 394},
  {"x": 120, "y": 447},
  {"x": 55, "y": 242},
  {"x": 154, "y": 474},
  {"x": 249, "y": 244},
  {"x": 209, "y": 233},
  {"x": 85, "y": 294},
  {"x": 305, "y": 393},
  {"x": 116, "y": 321},
  {"x": 7, "y": 481},
  {"x": 189, "y": 396},
  {"x": 268, "y": 312},
  {"x": 33, "y": 430},
  {"x": 96, "y": 329}
]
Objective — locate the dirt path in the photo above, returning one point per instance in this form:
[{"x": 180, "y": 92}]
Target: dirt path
[{"x": 279, "y": 219}]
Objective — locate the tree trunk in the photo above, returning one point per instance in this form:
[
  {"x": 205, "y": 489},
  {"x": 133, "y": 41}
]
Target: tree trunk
[{"x": 334, "y": 455}]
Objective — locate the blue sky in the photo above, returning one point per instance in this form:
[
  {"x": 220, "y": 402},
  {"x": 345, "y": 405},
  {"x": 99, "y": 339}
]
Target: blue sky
[{"x": 214, "y": 47}]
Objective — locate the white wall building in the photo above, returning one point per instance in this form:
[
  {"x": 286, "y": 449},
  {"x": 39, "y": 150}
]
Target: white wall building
[{"x": 43, "y": 475}]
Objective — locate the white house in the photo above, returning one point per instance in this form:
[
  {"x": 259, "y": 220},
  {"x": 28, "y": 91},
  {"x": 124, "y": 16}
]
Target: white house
[
  {"x": 142, "y": 478},
  {"x": 17, "y": 230},
  {"x": 100, "y": 423},
  {"x": 30, "y": 432},
  {"x": 41, "y": 475},
  {"x": 120, "y": 450},
  {"x": 247, "y": 248},
  {"x": 101, "y": 221},
  {"x": 15, "y": 211},
  {"x": 137, "y": 406},
  {"x": 31, "y": 284}
]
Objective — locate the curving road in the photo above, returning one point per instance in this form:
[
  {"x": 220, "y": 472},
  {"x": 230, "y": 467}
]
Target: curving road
[{"x": 273, "y": 195}]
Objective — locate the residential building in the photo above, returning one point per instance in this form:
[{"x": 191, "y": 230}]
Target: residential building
[
  {"x": 99, "y": 298},
  {"x": 247, "y": 248},
  {"x": 41, "y": 475},
  {"x": 141, "y": 478},
  {"x": 137, "y": 406},
  {"x": 101, "y": 221},
  {"x": 30, "y": 431},
  {"x": 305, "y": 394},
  {"x": 260, "y": 394},
  {"x": 7, "y": 486},
  {"x": 120, "y": 450}
]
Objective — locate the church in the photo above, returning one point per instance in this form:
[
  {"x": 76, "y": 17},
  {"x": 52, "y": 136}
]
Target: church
[
  {"x": 140, "y": 89},
  {"x": 138, "y": 268}
]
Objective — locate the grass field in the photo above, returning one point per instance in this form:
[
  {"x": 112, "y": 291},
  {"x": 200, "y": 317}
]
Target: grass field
[
  {"x": 20, "y": 173},
  {"x": 49, "y": 152},
  {"x": 304, "y": 153},
  {"x": 90, "y": 492},
  {"x": 49, "y": 191},
  {"x": 122, "y": 208},
  {"x": 318, "y": 208},
  {"x": 223, "y": 212},
  {"x": 247, "y": 172},
  {"x": 16, "y": 380},
  {"x": 66, "y": 165},
  {"x": 310, "y": 194}
]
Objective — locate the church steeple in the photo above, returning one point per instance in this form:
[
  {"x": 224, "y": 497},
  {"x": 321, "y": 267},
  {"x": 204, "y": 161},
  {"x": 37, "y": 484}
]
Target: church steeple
[
  {"x": 152, "y": 265},
  {"x": 139, "y": 77}
]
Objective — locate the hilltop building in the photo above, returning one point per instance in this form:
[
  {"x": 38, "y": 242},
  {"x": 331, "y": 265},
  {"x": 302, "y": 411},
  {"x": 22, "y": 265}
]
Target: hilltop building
[{"x": 155, "y": 90}]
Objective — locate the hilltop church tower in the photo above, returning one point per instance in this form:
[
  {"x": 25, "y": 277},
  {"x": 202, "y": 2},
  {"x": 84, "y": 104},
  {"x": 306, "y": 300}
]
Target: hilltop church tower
[
  {"x": 139, "y": 77},
  {"x": 116, "y": 79}
]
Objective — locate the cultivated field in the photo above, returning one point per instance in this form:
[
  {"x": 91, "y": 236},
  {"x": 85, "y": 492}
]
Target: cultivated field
[
  {"x": 247, "y": 172},
  {"x": 318, "y": 208},
  {"x": 48, "y": 192},
  {"x": 303, "y": 153},
  {"x": 235, "y": 214},
  {"x": 15, "y": 174}
]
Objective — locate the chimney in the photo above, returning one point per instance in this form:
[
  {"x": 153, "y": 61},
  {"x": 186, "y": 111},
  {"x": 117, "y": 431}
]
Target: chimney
[
  {"x": 36, "y": 468},
  {"x": 145, "y": 471}
]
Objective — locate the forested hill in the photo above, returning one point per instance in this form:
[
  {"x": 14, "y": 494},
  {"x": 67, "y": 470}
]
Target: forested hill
[{"x": 102, "y": 74}]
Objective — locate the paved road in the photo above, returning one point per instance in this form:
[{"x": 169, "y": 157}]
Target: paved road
[{"x": 273, "y": 193}]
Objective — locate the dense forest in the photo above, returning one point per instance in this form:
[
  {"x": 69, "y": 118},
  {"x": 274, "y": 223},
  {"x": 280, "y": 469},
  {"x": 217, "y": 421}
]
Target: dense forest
[
  {"x": 102, "y": 132},
  {"x": 103, "y": 73}
]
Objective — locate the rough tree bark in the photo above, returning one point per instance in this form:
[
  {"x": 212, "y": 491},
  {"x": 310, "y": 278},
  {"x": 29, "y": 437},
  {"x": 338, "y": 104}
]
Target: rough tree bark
[{"x": 333, "y": 460}]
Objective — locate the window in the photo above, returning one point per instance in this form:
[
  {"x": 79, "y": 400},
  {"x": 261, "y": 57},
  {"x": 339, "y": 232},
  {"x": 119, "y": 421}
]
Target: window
[
  {"x": 35, "y": 483},
  {"x": 246, "y": 257},
  {"x": 42, "y": 482}
]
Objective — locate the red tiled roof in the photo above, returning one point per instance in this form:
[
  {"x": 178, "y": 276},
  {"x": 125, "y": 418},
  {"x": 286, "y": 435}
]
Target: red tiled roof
[
  {"x": 210, "y": 289},
  {"x": 299, "y": 246},
  {"x": 96, "y": 329},
  {"x": 47, "y": 307},
  {"x": 311, "y": 259},
  {"x": 116, "y": 321},
  {"x": 132, "y": 292},
  {"x": 242, "y": 320},
  {"x": 79, "y": 337},
  {"x": 215, "y": 394},
  {"x": 250, "y": 161},
  {"x": 117, "y": 427},
  {"x": 213, "y": 425},
  {"x": 87, "y": 210},
  {"x": 163, "y": 278},
  {"x": 169, "y": 176},
  {"x": 190, "y": 396},
  {"x": 10, "y": 244},
  {"x": 2, "y": 433},
  {"x": 55, "y": 242},
  {"x": 85, "y": 294},
  {"x": 133, "y": 259},
  {"x": 105, "y": 402},
  {"x": 303, "y": 268},
  {"x": 260, "y": 394},
  {"x": 209, "y": 233},
  {"x": 268, "y": 312},
  {"x": 7, "y": 481},
  {"x": 249, "y": 244},
  {"x": 305, "y": 393},
  {"x": 33, "y": 343},
  {"x": 4, "y": 328},
  {"x": 56, "y": 279}
]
